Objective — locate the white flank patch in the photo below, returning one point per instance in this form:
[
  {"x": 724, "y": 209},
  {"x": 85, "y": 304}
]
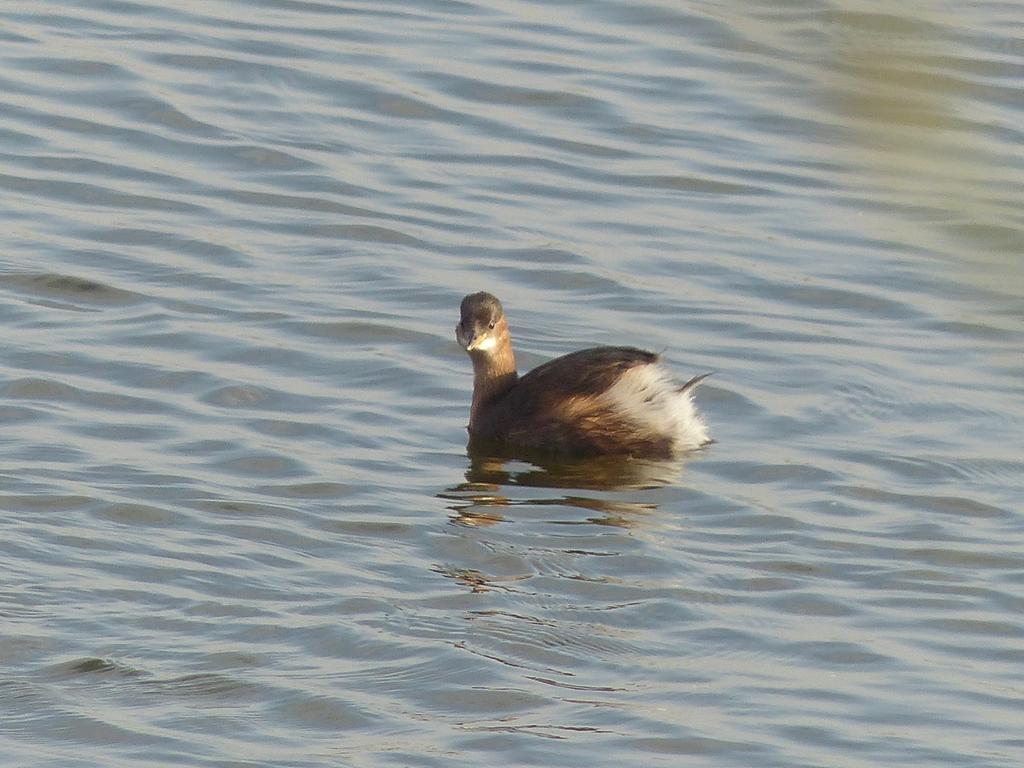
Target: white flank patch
[{"x": 649, "y": 395}]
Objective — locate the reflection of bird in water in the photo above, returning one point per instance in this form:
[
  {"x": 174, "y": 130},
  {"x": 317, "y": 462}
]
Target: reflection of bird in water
[
  {"x": 482, "y": 500},
  {"x": 605, "y": 473},
  {"x": 604, "y": 400}
]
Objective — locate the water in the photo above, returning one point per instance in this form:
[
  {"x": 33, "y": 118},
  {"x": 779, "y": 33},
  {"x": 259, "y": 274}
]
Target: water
[{"x": 239, "y": 524}]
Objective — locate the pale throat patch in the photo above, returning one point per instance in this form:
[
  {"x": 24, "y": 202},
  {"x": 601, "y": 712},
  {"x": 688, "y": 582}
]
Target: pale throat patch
[{"x": 486, "y": 344}]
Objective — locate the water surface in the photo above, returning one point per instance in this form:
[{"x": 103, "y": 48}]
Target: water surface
[{"x": 238, "y": 525}]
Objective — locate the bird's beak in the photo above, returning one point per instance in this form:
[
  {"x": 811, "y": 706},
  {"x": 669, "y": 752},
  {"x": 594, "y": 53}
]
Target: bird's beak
[{"x": 484, "y": 341}]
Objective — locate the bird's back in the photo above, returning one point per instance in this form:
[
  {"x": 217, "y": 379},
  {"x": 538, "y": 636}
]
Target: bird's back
[{"x": 595, "y": 401}]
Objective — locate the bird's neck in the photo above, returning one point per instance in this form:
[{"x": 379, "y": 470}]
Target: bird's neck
[{"x": 494, "y": 373}]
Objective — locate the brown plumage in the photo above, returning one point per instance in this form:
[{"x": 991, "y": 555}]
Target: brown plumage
[{"x": 604, "y": 400}]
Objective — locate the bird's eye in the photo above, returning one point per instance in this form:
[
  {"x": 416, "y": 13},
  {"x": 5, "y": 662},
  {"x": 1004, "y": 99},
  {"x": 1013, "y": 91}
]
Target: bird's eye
[{"x": 491, "y": 325}]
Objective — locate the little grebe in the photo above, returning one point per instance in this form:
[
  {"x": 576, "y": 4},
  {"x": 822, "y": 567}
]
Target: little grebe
[{"x": 605, "y": 400}]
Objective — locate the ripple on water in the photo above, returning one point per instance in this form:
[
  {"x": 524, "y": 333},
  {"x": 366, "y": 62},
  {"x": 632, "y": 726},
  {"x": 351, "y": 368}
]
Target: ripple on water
[
  {"x": 70, "y": 290},
  {"x": 238, "y": 520}
]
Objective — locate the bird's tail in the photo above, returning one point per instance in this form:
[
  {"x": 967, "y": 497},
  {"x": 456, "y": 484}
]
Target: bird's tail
[{"x": 692, "y": 383}]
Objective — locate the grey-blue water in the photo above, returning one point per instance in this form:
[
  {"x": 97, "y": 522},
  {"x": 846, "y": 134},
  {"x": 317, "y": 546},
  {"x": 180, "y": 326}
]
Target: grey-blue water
[{"x": 238, "y": 523}]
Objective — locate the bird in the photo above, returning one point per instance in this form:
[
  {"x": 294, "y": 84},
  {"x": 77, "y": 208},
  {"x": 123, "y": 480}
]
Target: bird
[{"x": 600, "y": 401}]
